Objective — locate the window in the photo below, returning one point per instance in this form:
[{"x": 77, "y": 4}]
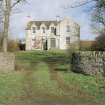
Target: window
[
  {"x": 33, "y": 42},
  {"x": 43, "y": 29},
  {"x": 38, "y": 28},
  {"x": 67, "y": 40},
  {"x": 68, "y": 28},
  {"x": 55, "y": 31},
  {"x": 34, "y": 29},
  {"x": 52, "y": 30},
  {"x": 33, "y": 39}
]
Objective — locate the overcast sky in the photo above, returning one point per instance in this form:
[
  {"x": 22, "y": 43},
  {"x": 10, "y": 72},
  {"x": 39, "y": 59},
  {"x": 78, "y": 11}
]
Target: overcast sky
[{"x": 49, "y": 9}]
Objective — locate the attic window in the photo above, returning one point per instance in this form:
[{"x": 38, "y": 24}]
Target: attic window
[
  {"x": 33, "y": 29},
  {"x": 68, "y": 28}
]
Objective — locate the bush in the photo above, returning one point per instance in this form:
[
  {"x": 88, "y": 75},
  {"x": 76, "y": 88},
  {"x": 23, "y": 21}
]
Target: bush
[
  {"x": 100, "y": 42},
  {"x": 71, "y": 50},
  {"x": 13, "y": 46}
]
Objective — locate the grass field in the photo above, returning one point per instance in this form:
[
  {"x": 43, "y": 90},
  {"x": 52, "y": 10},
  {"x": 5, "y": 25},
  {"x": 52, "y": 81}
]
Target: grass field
[{"x": 45, "y": 78}]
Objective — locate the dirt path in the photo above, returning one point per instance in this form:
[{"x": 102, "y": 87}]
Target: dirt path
[
  {"x": 85, "y": 97},
  {"x": 32, "y": 96}
]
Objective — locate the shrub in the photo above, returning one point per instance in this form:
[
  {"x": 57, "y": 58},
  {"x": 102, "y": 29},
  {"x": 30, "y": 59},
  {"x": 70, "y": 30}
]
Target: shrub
[
  {"x": 13, "y": 45},
  {"x": 100, "y": 42},
  {"x": 71, "y": 50}
]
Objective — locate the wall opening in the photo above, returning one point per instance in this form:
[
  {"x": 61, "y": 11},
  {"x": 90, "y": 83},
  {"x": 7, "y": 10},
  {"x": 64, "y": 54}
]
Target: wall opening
[{"x": 53, "y": 43}]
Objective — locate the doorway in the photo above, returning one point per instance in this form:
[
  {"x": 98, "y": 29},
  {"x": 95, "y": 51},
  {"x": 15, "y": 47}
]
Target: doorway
[
  {"x": 45, "y": 45},
  {"x": 53, "y": 43}
]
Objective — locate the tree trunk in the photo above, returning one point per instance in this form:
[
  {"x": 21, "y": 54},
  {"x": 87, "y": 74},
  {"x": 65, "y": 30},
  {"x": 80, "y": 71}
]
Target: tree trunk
[{"x": 7, "y": 9}]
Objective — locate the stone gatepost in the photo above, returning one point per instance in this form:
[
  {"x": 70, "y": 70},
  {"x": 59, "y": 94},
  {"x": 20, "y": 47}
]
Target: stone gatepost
[{"x": 7, "y": 62}]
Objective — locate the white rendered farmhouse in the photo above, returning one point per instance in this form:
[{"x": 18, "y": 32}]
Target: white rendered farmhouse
[{"x": 45, "y": 35}]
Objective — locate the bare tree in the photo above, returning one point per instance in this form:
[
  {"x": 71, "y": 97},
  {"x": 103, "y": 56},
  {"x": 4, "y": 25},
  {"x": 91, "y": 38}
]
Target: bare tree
[
  {"x": 7, "y": 11},
  {"x": 97, "y": 11},
  {"x": 78, "y": 3},
  {"x": 1, "y": 22},
  {"x": 98, "y": 16},
  {"x": 1, "y": 14}
]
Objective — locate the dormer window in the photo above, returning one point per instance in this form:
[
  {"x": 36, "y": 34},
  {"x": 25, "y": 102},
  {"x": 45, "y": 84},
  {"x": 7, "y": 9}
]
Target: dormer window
[
  {"x": 68, "y": 28},
  {"x": 33, "y": 29},
  {"x": 44, "y": 29},
  {"x": 38, "y": 28}
]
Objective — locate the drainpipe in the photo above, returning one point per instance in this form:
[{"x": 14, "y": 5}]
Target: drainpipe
[{"x": 58, "y": 21}]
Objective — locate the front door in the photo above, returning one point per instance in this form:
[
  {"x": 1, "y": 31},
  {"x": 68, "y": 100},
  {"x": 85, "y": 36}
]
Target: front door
[{"x": 45, "y": 45}]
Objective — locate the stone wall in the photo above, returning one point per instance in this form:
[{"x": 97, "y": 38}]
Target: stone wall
[
  {"x": 89, "y": 62},
  {"x": 7, "y": 62}
]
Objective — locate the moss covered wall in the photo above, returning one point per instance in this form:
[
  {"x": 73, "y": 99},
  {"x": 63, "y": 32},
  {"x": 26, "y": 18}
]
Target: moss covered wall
[{"x": 89, "y": 62}]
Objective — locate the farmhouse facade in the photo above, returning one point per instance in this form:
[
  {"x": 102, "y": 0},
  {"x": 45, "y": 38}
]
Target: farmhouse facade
[{"x": 45, "y": 35}]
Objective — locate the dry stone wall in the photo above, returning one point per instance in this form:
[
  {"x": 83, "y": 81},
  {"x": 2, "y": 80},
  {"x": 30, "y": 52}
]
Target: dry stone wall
[
  {"x": 7, "y": 62},
  {"x": 89, "y": 62}
]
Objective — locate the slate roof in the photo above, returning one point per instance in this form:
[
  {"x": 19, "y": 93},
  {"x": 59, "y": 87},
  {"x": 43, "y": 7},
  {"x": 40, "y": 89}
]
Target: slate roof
[{"x": 38, "y": 23}]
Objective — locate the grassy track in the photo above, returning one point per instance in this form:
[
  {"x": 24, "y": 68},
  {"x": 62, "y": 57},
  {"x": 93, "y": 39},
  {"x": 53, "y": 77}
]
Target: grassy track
[{"x": 42, "y": 79}]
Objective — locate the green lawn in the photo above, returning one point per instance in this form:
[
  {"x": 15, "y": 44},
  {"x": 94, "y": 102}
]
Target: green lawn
[{"x": 44, "y": 78}]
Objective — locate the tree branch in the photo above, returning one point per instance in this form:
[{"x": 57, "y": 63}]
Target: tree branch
[
  {"x": 81, "y": 4},
  {"x": 17, "y": 2}
]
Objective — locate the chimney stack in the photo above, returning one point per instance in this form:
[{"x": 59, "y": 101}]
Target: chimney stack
[{"x": 58, "y": 18}]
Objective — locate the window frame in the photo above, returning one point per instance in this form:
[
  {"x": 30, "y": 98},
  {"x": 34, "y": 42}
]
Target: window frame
[
  {"x": 33, "y": 30},
  {"x": 68, "y": 40},
  {"x": 52, "y": 29},
  {"x": 68, "y": 28},
  {"x": 43, "y": 30}
]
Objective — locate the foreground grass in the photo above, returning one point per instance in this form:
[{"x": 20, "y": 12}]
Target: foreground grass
[
  {"x": 41, "y": 80},
  {"x": 40, "y": 87},
  {"x": 10, "y": 86},
  {"x": 94, "y": 85}
]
